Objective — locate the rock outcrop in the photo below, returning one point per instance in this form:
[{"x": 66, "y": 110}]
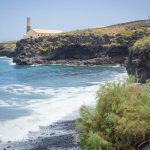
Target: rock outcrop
[
  {"x": 7, "y": 53},
  {"x": 91, "y": 46},
  {"x": 139, "y": 59},
  {"x": 7, "y": 48},
  {"x": 84, "y": 49},
  {"x": 139, "y": 65}
]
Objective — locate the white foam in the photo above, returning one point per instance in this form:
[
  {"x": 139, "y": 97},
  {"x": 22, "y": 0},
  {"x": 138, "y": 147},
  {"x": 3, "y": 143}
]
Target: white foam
[
  {"x": 35, "y": 65},
  {"x": 11, "y": 62},
  {"x": 2, "y": 57},
  {"x": 25, "y": 89},
  {"x": 61, "y": 103},
  {"x": 116, "y": 66},
  {"x": 47, "y": 111}
]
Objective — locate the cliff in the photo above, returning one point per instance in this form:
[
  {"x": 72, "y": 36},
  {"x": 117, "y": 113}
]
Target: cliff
[
  {"x": 139, "y": 59},
  {"x": 107, "y": 45},
  {"x": 7, "y": 48},
  {"x": 68, "y": 48}
]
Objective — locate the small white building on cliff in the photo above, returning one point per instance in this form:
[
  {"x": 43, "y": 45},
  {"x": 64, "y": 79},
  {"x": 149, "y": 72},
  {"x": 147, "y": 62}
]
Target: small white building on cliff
[{"x": 35, "y": 33}]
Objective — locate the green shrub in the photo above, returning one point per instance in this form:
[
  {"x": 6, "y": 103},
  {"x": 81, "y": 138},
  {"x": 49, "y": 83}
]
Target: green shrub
[
  {"x": 120, "y": 120},
  {"x": 132, "y": 79},
  {"x": 126, "y": 33},
  {"x": 148, "y": 81},
  {"x": 142, "y": 44},
  {"x": 40, "y": 48},
  {"x": 9, "y": 46},
  {"x": 115, "y": 44},
  {"x": 148, "y": 31}
]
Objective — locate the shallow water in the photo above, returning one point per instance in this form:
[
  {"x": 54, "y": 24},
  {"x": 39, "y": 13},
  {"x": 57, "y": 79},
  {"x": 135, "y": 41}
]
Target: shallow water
[{"x": 34, "y": 96}]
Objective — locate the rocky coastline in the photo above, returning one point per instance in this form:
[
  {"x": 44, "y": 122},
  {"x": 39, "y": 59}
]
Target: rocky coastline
[
  {"x": 7, "y": 53},
  {"x": 78, "y": 48},
  {"x": 95, "y": 46},
  {"x": 7, "y": 48},
  {"x": 89, "y": 50}
]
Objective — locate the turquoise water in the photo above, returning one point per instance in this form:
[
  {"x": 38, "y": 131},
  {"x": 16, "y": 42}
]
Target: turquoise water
[{"x": 34, "y": 96}]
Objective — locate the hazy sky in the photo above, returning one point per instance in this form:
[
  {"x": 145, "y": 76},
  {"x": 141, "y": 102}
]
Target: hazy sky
[{"x": 66, "y": 14}]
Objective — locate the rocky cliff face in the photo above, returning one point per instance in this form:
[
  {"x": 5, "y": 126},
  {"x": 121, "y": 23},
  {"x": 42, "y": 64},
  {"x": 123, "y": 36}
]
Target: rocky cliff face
[
  {"x": 69, "y": 48},
  {"x": 139, "y": 65},
  {"x": 7, "y": 53},
  {"x": 139, "y": 59}
]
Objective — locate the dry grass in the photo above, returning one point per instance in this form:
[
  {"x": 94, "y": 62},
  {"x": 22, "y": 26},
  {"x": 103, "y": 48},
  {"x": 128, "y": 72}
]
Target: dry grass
[
  {"x": 100, "y": 31},
  {"x": 110, "y": 31}
]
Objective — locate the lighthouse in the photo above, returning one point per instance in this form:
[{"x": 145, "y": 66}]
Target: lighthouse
[{"x": 28, "y": 24}]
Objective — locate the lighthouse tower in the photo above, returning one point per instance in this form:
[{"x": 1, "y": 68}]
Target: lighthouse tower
[{"x": 28, "y": 24}]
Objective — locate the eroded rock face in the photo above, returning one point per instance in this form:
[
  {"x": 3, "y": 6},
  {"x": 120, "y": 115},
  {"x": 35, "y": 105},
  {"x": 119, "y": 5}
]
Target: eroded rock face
[
  {"x": 139, "y": 64},
  {"x": 8, "y": 53},
  {"x": 82, "y": 48}
]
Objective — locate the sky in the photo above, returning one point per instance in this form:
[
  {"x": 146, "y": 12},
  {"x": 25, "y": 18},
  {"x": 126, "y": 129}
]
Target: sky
[{"x": 67, "y": 15}]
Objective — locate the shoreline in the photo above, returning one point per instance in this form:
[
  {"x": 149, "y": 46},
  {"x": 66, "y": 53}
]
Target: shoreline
[
  {"x": 75, "y": 62},
  {"x": 67, "y": 63},
  {"x": 59, "y": 136}
]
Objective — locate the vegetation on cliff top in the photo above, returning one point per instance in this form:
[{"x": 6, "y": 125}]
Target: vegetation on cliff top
[
  {"x": 120, "y": 120},
  {"x": 142, "y": 44},
  {"x": 110, "y": 31},
  {"x": 106, "y": 37},
  {"x": 8, "y": 46}
]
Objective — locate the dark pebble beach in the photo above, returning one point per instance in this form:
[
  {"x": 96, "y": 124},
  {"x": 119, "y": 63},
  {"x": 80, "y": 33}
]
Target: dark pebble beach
[{"x": 59, "y": 136}]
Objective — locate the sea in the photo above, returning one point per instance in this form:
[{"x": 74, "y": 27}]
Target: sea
[{"x": 40, "y": 95}]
